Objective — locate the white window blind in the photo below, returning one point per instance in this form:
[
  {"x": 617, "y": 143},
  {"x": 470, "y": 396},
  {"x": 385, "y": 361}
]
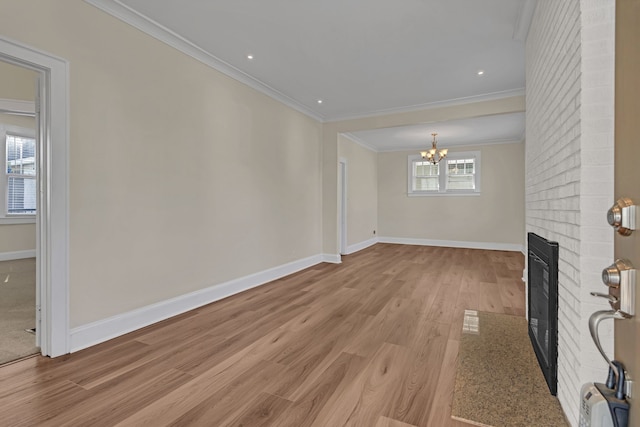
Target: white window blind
[
  {"x": 425, "y": 176},
  {"x": 21, "y": 174},
  {"x": 461, "y": 174},
  {"x": 457, "y": 174}
]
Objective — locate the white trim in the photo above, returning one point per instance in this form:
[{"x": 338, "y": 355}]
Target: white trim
[
  {"x": 443, "y": 194},
  {"x": 343, "y": 200},
  {"x": 10, "y": 256},
  {"x": 52, "y": 246},
  {"x": 19, "y": 131},
  {"x": 362, "y": 245},
  {"x": 361, "y": 142},
  {"x": 455, "y": 146},
  {"x": 443, "y": 173},
  {"x": 18, "y": 107},
  {"x": 332, "y": 258},
  {"x": 436, "y": 104},
  {"x": 148, "y": 26},
  {"x": 17, "y": 220},
  {"x": 102, "y": 330},
  {"x": 513, "y": 247}
]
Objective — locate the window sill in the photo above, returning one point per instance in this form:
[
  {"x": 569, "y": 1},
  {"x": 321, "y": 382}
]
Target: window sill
[
  {"x": 446, "y": 194},
  {"x": 18, "y": 220}
]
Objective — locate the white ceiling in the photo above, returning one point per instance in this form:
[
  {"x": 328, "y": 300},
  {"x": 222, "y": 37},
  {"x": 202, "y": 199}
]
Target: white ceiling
[
  {"x": 495, "y": 129},
  {"x": 360, "y": 57}
]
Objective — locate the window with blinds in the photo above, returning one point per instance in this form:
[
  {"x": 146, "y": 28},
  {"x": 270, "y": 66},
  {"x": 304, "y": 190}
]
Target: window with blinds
[
  {"x": 457, "y": 174},
  {"x": 21, "y": 175},
  {"x": 425, "y": 176},
  {"x": 461, "y": 174}
]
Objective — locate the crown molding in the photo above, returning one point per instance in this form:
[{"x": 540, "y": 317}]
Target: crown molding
[
  {"x": 154, "y": 29},
  {"x": 148, "y": 26},
  {"x": 436, "y": 104},
  {"x": 454, "y": 147},
  {"x": 359, "y": 141}
]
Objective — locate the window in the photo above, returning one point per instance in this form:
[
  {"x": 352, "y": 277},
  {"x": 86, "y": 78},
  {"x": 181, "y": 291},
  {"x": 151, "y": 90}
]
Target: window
[
  {"x": 18, "y": 195},
  {"x": 21, "y": 175},
  {"x": 461, "y": 174},
  {"x": 458, "y": 173},
  {"x": 425, "y": 176}
]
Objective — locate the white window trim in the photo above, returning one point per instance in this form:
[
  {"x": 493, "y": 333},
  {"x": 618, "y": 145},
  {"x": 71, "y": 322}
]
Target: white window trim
[
  {"x": 6, "y": 218},
  {"x": 443, "y": 191}
]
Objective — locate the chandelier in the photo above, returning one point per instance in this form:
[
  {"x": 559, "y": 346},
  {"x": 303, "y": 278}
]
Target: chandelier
[{"x": 433, "y": 155}]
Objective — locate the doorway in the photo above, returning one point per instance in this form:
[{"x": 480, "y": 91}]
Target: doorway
[
  {"x": 18, "y": 201},
  {"x": 51, "y": 107}
]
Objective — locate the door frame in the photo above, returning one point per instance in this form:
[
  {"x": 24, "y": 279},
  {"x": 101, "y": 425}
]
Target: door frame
[
  {"x": 342, "y": 178},
  {"x": 52, "y": 220}
]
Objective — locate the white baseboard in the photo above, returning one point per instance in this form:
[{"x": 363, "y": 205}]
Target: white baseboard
[
  {"x": 332, "y": 258},
  {"x": 102, "y": 330},
  {"x": 362, "y": 245},
  {"x": 10, "y": 256},
  {"x": 453, "y": 244}
]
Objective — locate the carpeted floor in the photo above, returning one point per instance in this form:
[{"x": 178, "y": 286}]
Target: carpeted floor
[
  {"x": 17, "y": 309},
  {"x": 498, "y": 380}
]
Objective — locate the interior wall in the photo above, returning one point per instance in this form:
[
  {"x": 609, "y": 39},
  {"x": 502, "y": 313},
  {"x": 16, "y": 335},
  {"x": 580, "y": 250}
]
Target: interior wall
[
  {"x": 180, "y": 178},
  {"x": 17, "y": 238},
  {"x": 331, "y": 131},
  {"x": 569, "y": 171},
  {"x": 16, "y": 83},
  {"x": 25, "y": 122},
  {"x": 362, "y": 192},
  {"x": 494, "y": 216}
]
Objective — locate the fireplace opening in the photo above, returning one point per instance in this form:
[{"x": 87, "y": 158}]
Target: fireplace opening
[{"x": 543, "y": 305}]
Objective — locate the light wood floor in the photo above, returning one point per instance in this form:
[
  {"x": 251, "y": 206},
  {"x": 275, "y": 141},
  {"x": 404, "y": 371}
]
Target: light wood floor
[{"x": 371, "y": 342}]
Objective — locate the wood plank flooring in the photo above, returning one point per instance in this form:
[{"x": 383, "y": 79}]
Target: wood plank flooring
[{"x": 371, "y": 342}]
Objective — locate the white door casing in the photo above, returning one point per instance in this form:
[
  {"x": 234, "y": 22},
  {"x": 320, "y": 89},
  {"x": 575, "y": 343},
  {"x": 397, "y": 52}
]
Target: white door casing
[
  {"x": 52, "y": 248},
  {"x": 342, "y": 178}
]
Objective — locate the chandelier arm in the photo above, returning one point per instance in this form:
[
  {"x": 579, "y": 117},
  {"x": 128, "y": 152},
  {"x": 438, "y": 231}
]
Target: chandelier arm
[{"x": 434, "y": 156}]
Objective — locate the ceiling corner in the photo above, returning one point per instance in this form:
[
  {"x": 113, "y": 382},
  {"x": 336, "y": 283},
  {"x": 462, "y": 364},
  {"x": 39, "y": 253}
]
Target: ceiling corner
[{"x": 524, "y": 20}]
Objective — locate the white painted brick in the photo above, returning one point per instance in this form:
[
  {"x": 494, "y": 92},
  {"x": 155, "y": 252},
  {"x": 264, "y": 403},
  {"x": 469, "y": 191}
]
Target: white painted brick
[
  {"x": 569, "y": 178},
  {"x": 597, "y": 234},
  {"x": 598, "y": 156},
  {"x": 598, "y": 374},
  {"x": 596, "y": 203},
  {"x": 597, "y": 249}
]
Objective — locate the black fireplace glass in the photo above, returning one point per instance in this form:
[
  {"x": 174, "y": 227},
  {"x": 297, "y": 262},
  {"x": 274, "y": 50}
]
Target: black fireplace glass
[{"x": 543, "y": 305}]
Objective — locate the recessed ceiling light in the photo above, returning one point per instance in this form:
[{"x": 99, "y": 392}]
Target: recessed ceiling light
[
  {"x": 249, "y": 56},
  {"x": 319, "y": 101},
  {"x": 480, "y": 72}
]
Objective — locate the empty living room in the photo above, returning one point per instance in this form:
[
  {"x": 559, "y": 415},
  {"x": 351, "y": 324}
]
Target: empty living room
[{"x": 363, "y": 213}]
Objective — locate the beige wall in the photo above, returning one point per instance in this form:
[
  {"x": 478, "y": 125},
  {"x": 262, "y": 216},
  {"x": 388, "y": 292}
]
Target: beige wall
[
  {"x": 17, "y": 237},
  {"x": 495, "y": 216},
  {"x": 430, "y": 115},
  {"x": 19, "y": 121},
  {"x": 16, "y": 83},
  {"x": 362, "y": 190},
  {"x": 180, "y": 177}
]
